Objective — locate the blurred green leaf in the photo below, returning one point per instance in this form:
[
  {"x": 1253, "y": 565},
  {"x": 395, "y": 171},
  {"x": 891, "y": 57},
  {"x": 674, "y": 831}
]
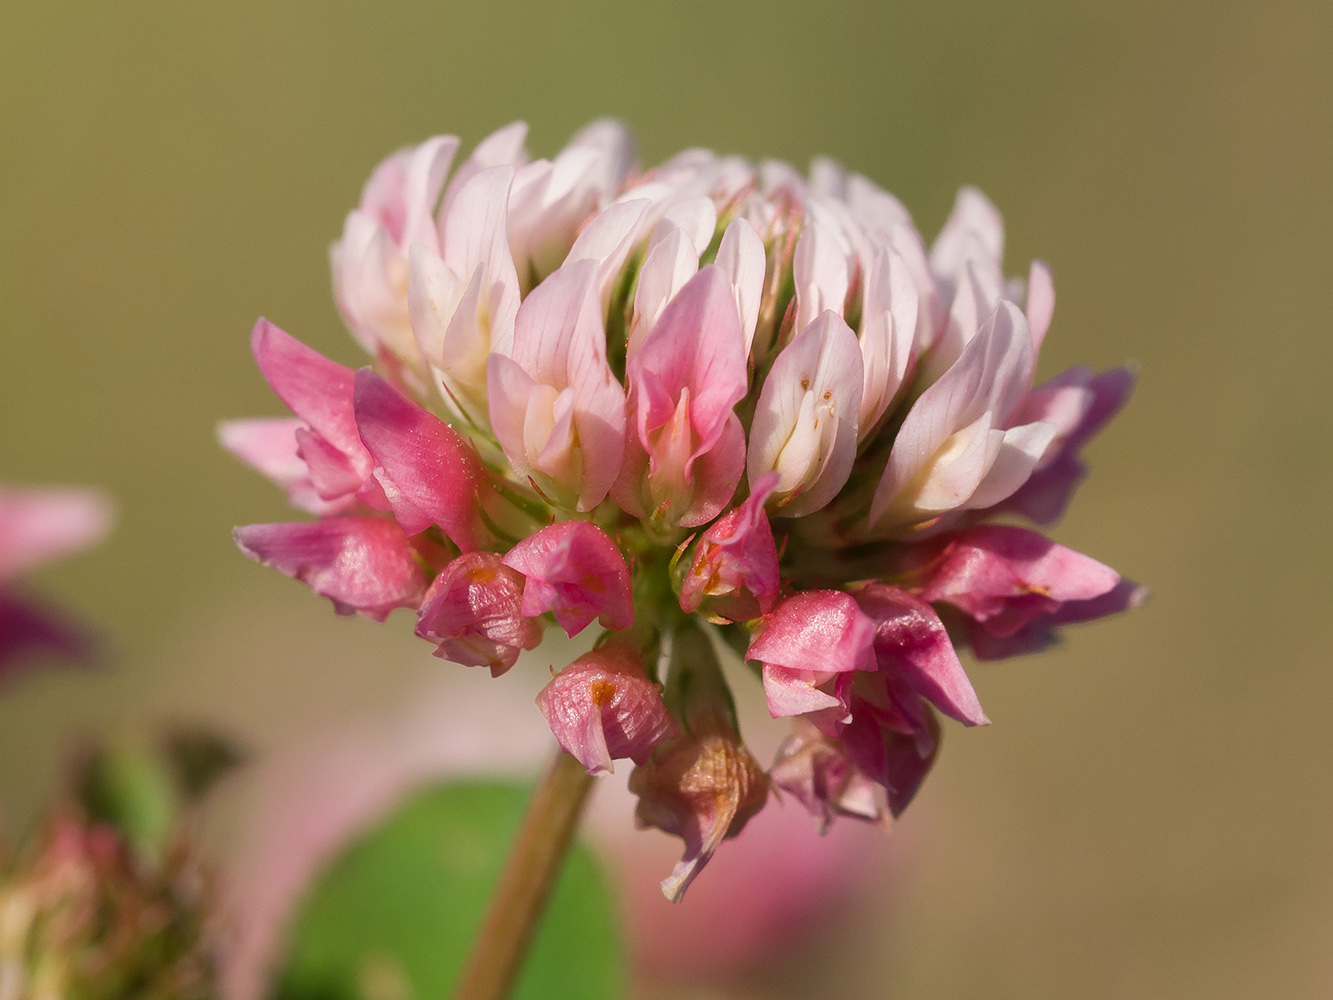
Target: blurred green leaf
[
  {"x": 393, "y": 918},
  {"x": 131, "y": 788}
]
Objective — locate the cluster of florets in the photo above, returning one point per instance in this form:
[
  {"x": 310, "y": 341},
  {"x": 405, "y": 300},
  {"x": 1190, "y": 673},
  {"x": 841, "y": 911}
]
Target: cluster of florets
[{"x": 711, "y": 402}]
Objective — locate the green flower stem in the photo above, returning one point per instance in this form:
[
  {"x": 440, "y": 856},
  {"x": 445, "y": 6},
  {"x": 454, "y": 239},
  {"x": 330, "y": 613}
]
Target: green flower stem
[{"x": 535, "y": 859}]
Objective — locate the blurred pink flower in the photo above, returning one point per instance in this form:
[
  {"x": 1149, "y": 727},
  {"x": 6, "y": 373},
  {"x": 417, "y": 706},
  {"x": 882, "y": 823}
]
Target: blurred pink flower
[{"x": 38, "y": 526}]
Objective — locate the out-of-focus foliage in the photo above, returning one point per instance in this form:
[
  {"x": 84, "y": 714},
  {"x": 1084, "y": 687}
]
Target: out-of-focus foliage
[{"x": 393, "y": 917}]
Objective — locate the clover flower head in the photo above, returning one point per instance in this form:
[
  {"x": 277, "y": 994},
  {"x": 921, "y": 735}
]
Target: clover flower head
[{"x": 703, "y": 404}]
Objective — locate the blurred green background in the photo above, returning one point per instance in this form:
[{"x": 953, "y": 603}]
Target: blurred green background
[{"x": 1150, "y": 815}]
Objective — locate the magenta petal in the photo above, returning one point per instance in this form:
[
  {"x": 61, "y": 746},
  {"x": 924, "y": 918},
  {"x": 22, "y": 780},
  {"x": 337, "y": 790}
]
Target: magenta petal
[
  {"x": 603, "y": 707},
  {"x": 575, "y": 570},
  {"x": 362, "y": 564},
  {"x": 473, "y": 611},
  {"x": 1039, "y": 634},
  {"x": 1005, "y": 577},
  {"x": 317, "y": 390},
  {"x": 736, "y": 561},
  {"x": 1046, "y": 494},
  {"x": 429, "y": 474},
  {"x": 817, "y": 630},
  {"x": 31, "y": 631},
  {"x": 897, "y": 761},
  {"x": 911, "y": 643}
]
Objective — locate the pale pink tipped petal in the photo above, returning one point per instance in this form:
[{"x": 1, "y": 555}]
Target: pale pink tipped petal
[
  {"x": 973, "y": 227},
  {"x": 973, "y": 303},
  {"x": 819, "y": 269},
  {"x": 267, "y": 445},
  {"x": 614, "y": 148},
  {"x": 560, "y": 345},
  {"x": 740, "y": 257},
  {"x": 1040, "y": 302},
  {"x": 888, "y": 333},
  {"x": 427, "y": 167},
  {"x": 696, "y": 218},
  {"x": 685, "y": 452},
  {"x": 670, "y": 263},
  {"x": 805, "y": 422},
  {"x": 608, "y": 239},
  {"x": 1020, "y": 450},
  {"x": 428, "y": 473},
  {"x": 1011, "y": 362},
  {"x": 41, "y": 525},
  {"x": 576, "y": 571},
  {"x": 944, "y": 447},
  {"x": 505, "y": 147},
  {"x": 912, "y": 645},
  {"x": 475, "y": 235},
  {"x": 735, "y": 566},
  {"x": 880, "y": 211},
  {"x": 828, "y": 179},
  {"x": 509, "y": 389},
  {"x": 603, "y": 707},
  {"x": 362, "y": 564},
  {"x": 473, "y": 612},
  {"x": 821, "y": 631}
]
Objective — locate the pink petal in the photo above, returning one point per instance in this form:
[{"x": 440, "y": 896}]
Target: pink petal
[
  {"x": 685, "y": 379},
  {"x": 267, "y": 445},
  {"x": 1040, "y": 302},
  {"x": 41, "y": 525},
  {"x": 473, "y": 611},
  {"x": 791, "y": 692},
  {"x": 736, "y": 562},
  {"x": 1005, "y": 576},
  {"x": 429, "y": 474},
  {"x": 362, "y": 564},
  {"x": 576, "y": 571},
  {"x": 819, "y": 269},
  {"x": 974, "y": 227},
  {"x": 503, "y": 147},
  {"x": 741, "y": 259},
  {"x": 317, "y": 390},
  {"x": 892, "y": 759},
  {"x": 603, "y": 707},
  {"x": 912, "y": 643},
  {"x": 817, "y": 771},
  {"x": 670, "y": 263},
  {"x": 805, "y": 422},
  {"x": 989, "y": 377},
  {"x": 816, "y": 630},
  {"x": 559, "y": 342}
]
